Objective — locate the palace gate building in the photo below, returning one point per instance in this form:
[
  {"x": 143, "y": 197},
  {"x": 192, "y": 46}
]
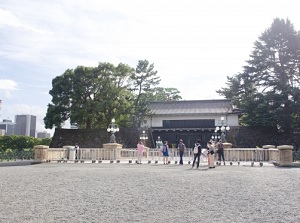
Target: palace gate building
[{"x": 190, "y": 120}]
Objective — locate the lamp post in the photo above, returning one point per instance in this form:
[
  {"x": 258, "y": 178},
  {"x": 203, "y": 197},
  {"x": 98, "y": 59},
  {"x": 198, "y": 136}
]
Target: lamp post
[
  {"x": 158, "y": 142},
  {"x": 143, "y": 137},
  {"x": 113, "y": 128},
  {"x": 215, "y": 136},
  {"x": 223, "y": 128}
]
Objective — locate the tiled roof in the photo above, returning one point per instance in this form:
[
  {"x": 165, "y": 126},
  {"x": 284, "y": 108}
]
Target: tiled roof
[{"x": 218, "y": 106}]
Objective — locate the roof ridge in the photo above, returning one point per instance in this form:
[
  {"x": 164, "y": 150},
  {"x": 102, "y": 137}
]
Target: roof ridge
[{"x": 182, "y": 101}]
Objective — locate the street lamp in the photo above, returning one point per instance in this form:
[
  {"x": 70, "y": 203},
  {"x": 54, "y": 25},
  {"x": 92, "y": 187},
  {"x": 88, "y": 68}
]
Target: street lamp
[
  {"x": 223, "y": 128},
  {"x": 113, "y": 128},
  {"x": 215, "y": 136},
  {"x": 143, "y": 137},
  {"x": 158, "y": 143}
]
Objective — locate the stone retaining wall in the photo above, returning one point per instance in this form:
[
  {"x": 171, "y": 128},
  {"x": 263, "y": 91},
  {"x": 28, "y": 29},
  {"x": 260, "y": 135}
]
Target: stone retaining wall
[{"x": 239, "y": 137}]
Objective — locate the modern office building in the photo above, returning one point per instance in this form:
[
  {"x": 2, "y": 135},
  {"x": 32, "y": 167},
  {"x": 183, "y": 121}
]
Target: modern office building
[
  {"x": 2, "y": 132},
  {"x": 25, "y": 125},
  {"x": 8, "y": 126},
  {"x": 43, "y": 135}
]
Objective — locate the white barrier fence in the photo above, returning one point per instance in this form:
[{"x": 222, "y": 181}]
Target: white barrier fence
[{"x": 233, "y": 154}]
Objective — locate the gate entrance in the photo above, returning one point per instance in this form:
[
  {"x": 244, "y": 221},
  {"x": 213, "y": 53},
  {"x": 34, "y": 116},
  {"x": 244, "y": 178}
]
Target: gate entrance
[{"x": 189, "y": 137}]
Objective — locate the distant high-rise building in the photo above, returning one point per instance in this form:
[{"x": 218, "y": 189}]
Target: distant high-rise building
[
  {"x": 8, "y": 126},
  {"x": 2, "y": 132},
  {"x": 0, "y": 106},
  {"x": 25, "y": 125},
  {"x": 43, "y": 135}
]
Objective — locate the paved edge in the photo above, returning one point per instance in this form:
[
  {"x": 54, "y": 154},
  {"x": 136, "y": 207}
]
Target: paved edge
[
  {"x": 19, "y": 163},
  {"x": 32, "y": 162}
]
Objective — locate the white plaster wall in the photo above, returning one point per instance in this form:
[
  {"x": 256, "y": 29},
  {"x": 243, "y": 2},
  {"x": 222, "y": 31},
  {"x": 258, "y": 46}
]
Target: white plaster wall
[{"x": 232, "y": 119}]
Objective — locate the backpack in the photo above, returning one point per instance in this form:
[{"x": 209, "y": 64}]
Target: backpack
[
  {"x": 196, "y": 149},
  {"x": 181, "y": 147}
]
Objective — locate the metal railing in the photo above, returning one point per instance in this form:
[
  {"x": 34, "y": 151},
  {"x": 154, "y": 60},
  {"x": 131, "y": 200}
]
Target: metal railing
[
  {"x": 16, "y": 155},
  {"x": 296, "y": 155}
]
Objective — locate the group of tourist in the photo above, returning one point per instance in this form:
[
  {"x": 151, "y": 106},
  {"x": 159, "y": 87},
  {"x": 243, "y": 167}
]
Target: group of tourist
[{"x": 213, "y": 150}]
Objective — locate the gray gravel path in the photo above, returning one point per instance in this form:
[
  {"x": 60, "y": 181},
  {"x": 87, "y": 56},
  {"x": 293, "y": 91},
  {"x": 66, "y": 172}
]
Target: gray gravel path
[{"x": 148, "y": 193}]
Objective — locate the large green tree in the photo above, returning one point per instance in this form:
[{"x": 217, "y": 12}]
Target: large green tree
[
  {"x": 267, "y": 89},
  {"x": 91, "y": 96}
]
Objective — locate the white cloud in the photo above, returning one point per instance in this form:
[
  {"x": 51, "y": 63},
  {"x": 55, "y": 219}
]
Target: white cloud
[
  {"x": 8, "y": 85},
  {"x": 10, "y": 19}
]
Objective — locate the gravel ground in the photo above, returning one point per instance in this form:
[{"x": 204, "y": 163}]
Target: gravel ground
[{"x": 121, "y": 192}]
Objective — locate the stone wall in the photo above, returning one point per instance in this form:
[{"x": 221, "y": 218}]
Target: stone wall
[
  {"x": 251, "y": 137},
  {"x": 95, "y": 138},
  {"x": 240, "y": 137}
]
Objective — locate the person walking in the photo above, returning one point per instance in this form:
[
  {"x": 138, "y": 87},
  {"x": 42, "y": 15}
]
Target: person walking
[
  {"x": 211, "y": 152},
  {"x": 140, "y": 150},
  {"x": 165, "y": 151},
  {"x": 181, "y": 149},
  {"x": 197, "y": 153},
  {"x": 77, "y": 155},
  {"x": 221, "y": 152},
  {"x": 207, "y": 151}
]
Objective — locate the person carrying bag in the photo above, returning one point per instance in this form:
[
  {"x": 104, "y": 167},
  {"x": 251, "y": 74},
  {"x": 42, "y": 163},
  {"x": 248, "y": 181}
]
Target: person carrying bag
[{"x": 197, "y": 153}]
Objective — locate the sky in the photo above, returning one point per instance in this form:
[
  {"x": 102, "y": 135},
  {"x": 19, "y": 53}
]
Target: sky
[{"x": 194, "y": 45}]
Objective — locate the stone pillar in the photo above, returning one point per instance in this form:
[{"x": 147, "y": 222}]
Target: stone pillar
[
  {"x": 227, "y": 145},
  {"x": 268, "y": 147},
  {"x": 285, "y": 155},
  {"x": 273, "y": 155},
  {"x": 40, "y": 153},
  {"x": 114, "y": 150},
  {"x": 70, "y": 153}
]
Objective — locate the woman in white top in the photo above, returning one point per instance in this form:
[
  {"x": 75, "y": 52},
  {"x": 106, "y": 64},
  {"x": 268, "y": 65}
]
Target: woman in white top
[{"x": 211, "y": 155}]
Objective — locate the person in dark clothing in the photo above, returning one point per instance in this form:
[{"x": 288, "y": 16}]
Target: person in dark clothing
[
  {"x": 76, "y": 151},
  {"x": 197, "y": 153},
  {"x": 221, "y": 152},
  {"x": 181, "y": 148}
]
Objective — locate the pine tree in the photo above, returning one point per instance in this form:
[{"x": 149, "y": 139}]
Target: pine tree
[{"x": 268, "y": 88}]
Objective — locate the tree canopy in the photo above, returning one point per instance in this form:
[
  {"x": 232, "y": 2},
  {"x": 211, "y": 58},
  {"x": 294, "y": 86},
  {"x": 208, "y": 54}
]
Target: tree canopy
[
  {"x": 92, "y": 96},
  {"x": 267, "y": 89}
]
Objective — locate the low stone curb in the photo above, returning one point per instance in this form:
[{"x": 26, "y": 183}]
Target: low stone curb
[
  {"x": 32, "y": 162},
  {"x": 156, "y": 162},
  {"x": 19, "y": 163}
]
